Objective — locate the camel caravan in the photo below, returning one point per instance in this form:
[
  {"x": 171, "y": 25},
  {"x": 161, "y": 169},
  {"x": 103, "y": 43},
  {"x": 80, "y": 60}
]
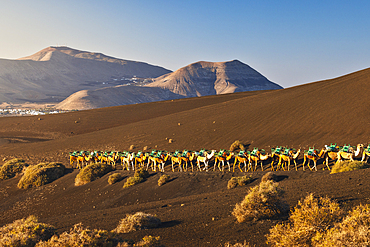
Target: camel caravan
[{"x": 280, "y": 158}]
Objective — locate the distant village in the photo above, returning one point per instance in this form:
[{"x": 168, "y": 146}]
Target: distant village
[{"x": 8, "y": 112}]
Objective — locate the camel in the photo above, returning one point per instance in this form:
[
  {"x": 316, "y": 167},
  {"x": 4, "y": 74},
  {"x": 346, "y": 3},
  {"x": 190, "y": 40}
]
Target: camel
[
  {"x": 289, "y": 156},
  {"x": 129, "y": 159},
  {"x": 188, "y": 157},
  {"x": 222, "y": 157},
  {"x": 256, "y": 156},
  {"x": 314, "y": 156},
  {"x": 275, "y": 156},
  {"x": 205, "y": 159},
  {"x": 331, "y": 153},
  {"x": 366, "y": 154},
  {"x": 140, "y": 158},
  {"x": 159, "y": 159},
  {"x": 347, "y": 153},
  {"x": 241, "y": 158},
  {"x": 112, "y": 158}
]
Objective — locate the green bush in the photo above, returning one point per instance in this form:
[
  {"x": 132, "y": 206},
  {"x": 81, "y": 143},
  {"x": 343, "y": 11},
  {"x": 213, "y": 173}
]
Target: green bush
[
  {"x": 114, "y": 178},
  {"x": 92, "y": 172},
  {"x": 262, "y": 201},
  {"x": 25, "y": 232},
  {"x": 163, "y": 179},
  {"x": 137, "y": 221},
  {"x": 38, "y": 175},
  {"x": 312, "y": 217},
  {"x": 346, "y": 166},
  {"x": 80, "y": 236},
  {"x": 11, "y": 168},
  {"x": 241, "y": 181}
]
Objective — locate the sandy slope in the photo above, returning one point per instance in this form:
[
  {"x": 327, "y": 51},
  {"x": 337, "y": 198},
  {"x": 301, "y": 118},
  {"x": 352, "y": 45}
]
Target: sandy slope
[{"x": 303, "y": 116}]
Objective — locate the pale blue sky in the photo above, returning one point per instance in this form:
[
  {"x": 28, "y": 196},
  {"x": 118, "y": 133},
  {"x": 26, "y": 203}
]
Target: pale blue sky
[{"x": 290, "y": 42}]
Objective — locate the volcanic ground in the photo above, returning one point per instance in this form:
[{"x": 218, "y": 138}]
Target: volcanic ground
[{"x": 195, "y": 207}]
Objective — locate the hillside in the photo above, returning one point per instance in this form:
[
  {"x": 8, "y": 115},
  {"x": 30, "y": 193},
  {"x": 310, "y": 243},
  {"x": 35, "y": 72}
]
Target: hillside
[
  {"x": 195, "y": 206},
  {"x": 207, "y": 78},
  {"x": 54, "y": 73}
]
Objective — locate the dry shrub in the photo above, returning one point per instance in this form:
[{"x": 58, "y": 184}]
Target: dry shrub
[
  {"x": 241, "y": 181},
  {"x": 137, "y": 221},
  {"x": 139, "y": 176},
  {"x": 11, "y": 168},
  {"x": 262, "y": 201},
  {"x": 92, "y": 172},
  {"x": 149, "y": 241},
  {"x": 38, "y": 175},
  {"x": 354, "y": 230},
  {"x": 114, "y": 178},
  {"x": 349, "y": 166},
  {"x": 313, "y": 216},
  {"x": 237, "y": 244},
  {"x": 163, "y": 179},
  {"x": 141, "y": 173},
  {"x": 269, "y": 176},
  {"x": 25, "y": 232},
  {"x": 80, "y": 236},
  {"x": 131, "y": 181},
  {"x": 236, "y": 145}
]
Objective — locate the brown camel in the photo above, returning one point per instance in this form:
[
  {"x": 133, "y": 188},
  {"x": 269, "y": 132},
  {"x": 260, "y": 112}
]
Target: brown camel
[
  {"x": 289, "y": 156},
  {"x": 313, "y": 155},
  {"x": 349, "y": 154}
]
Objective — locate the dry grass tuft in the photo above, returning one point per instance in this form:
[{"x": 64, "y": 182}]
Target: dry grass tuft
[
  {"x": 91, "y": 172},
  {"x": 236, "y": 145},
  {"x": 346, "y": 166},
  {"x": 354, "y": 230},
  {"x": 313, "y": 216},
  {"x": 262, "y": 201},
  {"x": 163, "y": 179},
  {"x": 141, "y": 173},
  {"x": 114, "y": 178},
  {"x": 269, "y": 176},
  {"x": 11, "y": 168},
  {"x": 149, "y": 241},
  {"x": 25, "y": 232},
  {"x": 38, "y": 175},
  {"x": 80, "y": 236},
  {"x": 237, "y": 244},
  {"x": 241, "y": 181},
  {"x": 137, "y": 221}
]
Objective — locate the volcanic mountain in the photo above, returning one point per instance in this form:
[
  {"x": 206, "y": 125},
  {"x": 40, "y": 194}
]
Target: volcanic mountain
[
  {"x": 194, "y": 80},
  {"x": 207, "y": 78},
  {"x": 54, "y": 73}
]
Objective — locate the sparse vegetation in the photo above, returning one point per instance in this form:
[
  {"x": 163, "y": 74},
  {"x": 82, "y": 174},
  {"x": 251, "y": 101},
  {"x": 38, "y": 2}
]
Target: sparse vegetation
[
  {"x": 137, "y": 221},
  {"x": 312, "y": 217},
  {"x": 349, "y": 166},
  {"x": 139, "y": 176},
  {"x": 11, "y": 168},
  {"x": 149, "y": 241},
  {"x": 91, "y": 172},
  {"x": 25, "y": 232},
  {"x": 81, "y": 236},
  {"x": 163, "y": 179},
  {"x": 114, "y": 178},
  {"x": 269, "y": 176},
  {"x": 241, "y": 181},
  {"x": 354, "y": 230},
  {"x": 237, "y": 244},
  {"x": 236, "y": 145},
  {"x": 38, "y": 175},
  {"x": 262, "y": 201}
]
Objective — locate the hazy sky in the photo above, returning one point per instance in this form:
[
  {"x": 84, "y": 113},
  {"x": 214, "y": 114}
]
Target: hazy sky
[{"x": 290, "y": 42}]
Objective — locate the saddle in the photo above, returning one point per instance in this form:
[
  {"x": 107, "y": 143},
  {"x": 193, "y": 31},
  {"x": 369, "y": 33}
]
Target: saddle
[
  {"x": 346, "y": 148},
  {"x": 311, "y": 151},
  {"x": 241, "y": 153},
  {"x": 254, "y": 152}
]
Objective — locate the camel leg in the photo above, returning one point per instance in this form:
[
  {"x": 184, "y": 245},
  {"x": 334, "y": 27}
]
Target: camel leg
[
  {"x": 288, "y": 164},
  {"x": 272, "y": 165},
  {"x": 228, "y": 163},
  {"x": 261, "y": 165},
  {"x": 173, "y": 170},
  {"x": 214, "y": 166},
  {"x": 295, "y": 164},
  {"x": 206, "y": 165},
  {"x": 198, "y": 164},
  {"x": 223, "y": 165},
  {"x": 234, "y": 165}
]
